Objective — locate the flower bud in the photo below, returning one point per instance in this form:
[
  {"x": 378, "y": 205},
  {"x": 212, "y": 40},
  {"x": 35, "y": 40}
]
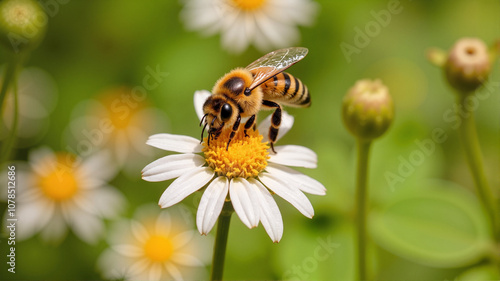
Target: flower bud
[
  {"x": 22, "y": 24},
  {"x": 367, "y": 109},
  {"x": 468, "y": 65}
]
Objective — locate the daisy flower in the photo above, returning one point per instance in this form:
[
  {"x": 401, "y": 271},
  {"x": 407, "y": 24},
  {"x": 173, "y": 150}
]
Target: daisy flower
[
  {"x": 117, "y": 121},
  {"x": 154, "y": 245},
  {"x": 246, "y": 174},
  {"x": 267, "y": 24},
  {"x": 61, "y": 191}
]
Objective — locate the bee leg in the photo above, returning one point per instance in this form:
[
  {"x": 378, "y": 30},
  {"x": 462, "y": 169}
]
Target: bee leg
[
  {"x": 233, "y": 132},
  {"x": 275, "y": 122},
  {"x": 249, "y": 124}
]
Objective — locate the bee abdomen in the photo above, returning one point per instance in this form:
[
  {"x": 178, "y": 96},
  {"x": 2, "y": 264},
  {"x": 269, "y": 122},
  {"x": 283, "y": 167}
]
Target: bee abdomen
[{"x": 287, "y": 89}]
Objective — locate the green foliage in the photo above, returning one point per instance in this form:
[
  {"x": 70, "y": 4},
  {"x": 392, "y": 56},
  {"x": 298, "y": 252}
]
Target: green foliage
[{"x": 435, "y": 223}]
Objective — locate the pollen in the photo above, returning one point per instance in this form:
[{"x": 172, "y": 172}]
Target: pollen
[
  {"x": 158, "y": 248},
  {"x": 60, "y": 183},
  {"x": 246, "y": 156},
  {"x": 248, "y": 5}
]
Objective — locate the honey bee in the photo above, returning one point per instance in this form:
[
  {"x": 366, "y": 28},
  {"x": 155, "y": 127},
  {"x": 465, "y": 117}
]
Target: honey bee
[{"x": 243, "y": 92}]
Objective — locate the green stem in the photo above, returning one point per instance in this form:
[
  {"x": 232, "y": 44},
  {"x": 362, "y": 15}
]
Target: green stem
[
  {"x": 9, "y": 142},
  {"x": 221, "y": 242},
  {"x": 8, "y": 76},
  {"x": 361, "y": 204},
  {"x": 472, "y": 148},
  {"x": 10, "y": 79}
]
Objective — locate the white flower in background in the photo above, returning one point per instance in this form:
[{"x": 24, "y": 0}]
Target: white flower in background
[
  {"x": 267, "y": 24},
  {"x": 117, "y": 121},
  {"x": 60, "y": 192},
  {"x": 244, "y": 174},
  {"x": 155, "y": 245},
  {"x": 37, "y": 96}
]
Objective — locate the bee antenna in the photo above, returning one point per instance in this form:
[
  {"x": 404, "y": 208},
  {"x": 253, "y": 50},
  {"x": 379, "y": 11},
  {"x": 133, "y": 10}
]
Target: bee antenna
[
  {"x": 203, "y": 131},
  {"x": 247, "y": 91},
  {"x": 202, "y": 119},
  {"x": 213, "y": 121}
]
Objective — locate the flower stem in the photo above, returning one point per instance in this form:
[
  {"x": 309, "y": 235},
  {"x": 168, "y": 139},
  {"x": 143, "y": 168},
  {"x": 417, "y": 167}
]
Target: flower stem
[
  {"x": 221, "y": 242},
  {"x": 472, "y": 148},
  {"x": 9, "y": 142},
  {"x": 361, "y": 204},
  {"x": 10, "y": 78}
]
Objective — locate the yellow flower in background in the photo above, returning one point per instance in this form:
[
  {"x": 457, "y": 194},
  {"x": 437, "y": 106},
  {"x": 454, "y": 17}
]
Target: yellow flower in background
[
  {"x": 119, "y": 121},
  {"x": 37, "y": 93},
  {"x": 267, "y": 24},
  {"x": 61, "y": 191},
  {"x": 155, "y": 245}
]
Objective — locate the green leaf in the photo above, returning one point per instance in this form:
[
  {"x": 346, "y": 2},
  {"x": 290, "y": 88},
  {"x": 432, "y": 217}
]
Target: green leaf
[
  {"x": 437, "y": 224},
  {"x": 486, "y": 272}
]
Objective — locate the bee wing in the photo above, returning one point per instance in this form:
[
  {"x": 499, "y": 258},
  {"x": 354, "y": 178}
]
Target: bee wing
[{"x": 274, "y": 63}]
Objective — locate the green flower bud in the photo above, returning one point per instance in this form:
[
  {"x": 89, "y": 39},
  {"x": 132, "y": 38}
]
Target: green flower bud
[
  {"x": 367, "y": 109},
  {"x": 22, "y": 24},
  {"x": 468, "y": 65}
]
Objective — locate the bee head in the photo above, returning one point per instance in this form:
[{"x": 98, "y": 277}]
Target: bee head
[{"x": 218, "y": 112}]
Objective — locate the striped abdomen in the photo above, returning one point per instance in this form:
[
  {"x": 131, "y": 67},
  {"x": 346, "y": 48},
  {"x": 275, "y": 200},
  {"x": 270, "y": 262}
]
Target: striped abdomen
[{"x": 286, "y": 89}]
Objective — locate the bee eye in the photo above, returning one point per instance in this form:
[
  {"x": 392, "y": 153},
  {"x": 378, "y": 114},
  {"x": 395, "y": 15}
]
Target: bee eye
[{"x": 225, "y": 112}]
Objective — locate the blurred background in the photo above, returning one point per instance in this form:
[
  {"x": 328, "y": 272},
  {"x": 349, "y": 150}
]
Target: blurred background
[{"x": 425, "y": 223}]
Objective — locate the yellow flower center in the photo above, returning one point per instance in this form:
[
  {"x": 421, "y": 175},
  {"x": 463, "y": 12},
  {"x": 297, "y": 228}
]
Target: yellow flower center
[
  {"x": 246, "y": 157},
  {"x": 249, "y": 5},
  {"x": 158, "y": 248},
  {"x": 60, "y": 184}
]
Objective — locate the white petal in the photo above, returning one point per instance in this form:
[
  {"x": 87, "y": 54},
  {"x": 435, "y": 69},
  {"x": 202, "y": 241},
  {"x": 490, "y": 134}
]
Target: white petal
[
  {"x": 245, "y": 201},
  {"x": 99, "y": 166},
  {"x": 303, "y": 182},
  {"x": 86, "y": 226},
  {"x": 171, "y": 166},
  {"x": 55, "y": 230},
  {"x": 139, "y": 268},
  {"x": 186, "y": 259},
  {"x": 154, "y": 272},
  {"x": 270, "y": 215},
  {"x": 291, "y": 194},
  {"x": 277, "y": 33},
  {"x": 138, "y": 231},
  {"x": 184, "y": 185},
  {"x": 286, "y": 124},
  {"x": 238, "y": 32},
  {"x": 294, "y": 155},
  {"x": 181, "y": 239},
  {"x": 211, "y": 204},
  {"x": 177, "y": 143},
  {"x": 113, "y": 265},
  {"x": 173, "y": 271},
  {"x": 128, "y": 250},
  {"x": 35, "y": 216},
  {"x": 42, "y": 160},
  {"x": 199, "y": 99},
  {"x": 163, "y": 223},
  {"x": 105, "y": 201}
]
